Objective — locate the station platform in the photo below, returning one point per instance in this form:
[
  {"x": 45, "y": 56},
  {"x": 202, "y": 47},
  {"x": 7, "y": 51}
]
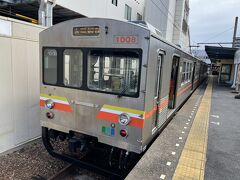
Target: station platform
[{"x": 200, "y": 142}]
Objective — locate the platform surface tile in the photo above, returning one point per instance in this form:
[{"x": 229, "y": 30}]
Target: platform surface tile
[
  {"x": 223, "y": 152},
  {"x": 201, "y": 142}
]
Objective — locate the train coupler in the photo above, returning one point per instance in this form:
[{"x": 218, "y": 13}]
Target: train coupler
[{"x": 75, "y": 144}]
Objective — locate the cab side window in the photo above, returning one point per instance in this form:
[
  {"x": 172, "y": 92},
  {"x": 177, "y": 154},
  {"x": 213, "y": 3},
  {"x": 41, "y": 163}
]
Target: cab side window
[
  {"x": 72, "y": 65},
  {"x": 50, "y": 66}
]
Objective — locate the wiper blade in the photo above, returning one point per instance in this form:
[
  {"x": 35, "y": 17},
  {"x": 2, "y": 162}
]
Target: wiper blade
[
  {"x": 127, "y": 86},
  {"x": 121, "y": 93}
]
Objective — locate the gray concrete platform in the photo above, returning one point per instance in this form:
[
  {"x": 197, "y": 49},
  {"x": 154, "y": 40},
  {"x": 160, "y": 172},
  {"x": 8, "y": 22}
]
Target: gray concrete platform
[
  {"x": 160, "y": 161},
  {"x": 223, "y": 152}
]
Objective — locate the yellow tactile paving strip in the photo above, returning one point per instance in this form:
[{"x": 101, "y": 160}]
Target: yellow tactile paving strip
[{"x": 191, "y": 164}]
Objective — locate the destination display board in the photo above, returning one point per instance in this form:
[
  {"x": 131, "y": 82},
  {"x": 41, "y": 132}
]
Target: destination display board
[{"x": 86, "y": 31}]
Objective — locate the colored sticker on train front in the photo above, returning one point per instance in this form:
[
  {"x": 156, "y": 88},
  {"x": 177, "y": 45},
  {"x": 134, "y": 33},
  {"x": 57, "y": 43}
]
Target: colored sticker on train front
[
  {"x": 60, "y": 103},
  {"x": 108, "y": 131}
]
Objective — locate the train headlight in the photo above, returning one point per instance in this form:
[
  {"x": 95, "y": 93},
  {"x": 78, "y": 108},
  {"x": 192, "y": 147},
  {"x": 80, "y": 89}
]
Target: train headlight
[
  {"x": 49, "y": 104},
  {"x": 124, "y": 119}
]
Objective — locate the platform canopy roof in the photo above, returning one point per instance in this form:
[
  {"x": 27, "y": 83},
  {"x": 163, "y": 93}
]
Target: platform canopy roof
[
  {"x": 217, "y": 53},
  {"x": 29, "y": 8}
]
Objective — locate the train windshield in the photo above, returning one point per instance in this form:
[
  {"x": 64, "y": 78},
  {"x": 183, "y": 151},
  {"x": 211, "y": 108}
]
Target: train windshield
[{"x": 113, "y": 72}]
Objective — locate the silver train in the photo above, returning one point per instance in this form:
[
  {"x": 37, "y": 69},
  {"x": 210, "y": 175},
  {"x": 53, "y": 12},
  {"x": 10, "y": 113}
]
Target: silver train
[{"x": 112, "y": 83}]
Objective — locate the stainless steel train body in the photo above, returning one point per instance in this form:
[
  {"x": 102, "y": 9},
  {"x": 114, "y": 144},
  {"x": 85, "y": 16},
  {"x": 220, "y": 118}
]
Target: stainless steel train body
[{"x": 112, "y": 80}]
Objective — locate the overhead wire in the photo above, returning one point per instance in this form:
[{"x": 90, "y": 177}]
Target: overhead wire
[{"x": 218, "y": 34}]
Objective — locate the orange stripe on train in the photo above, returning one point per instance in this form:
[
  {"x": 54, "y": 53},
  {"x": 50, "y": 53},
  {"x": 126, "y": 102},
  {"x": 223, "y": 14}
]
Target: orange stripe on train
[
  {"x": 136, "y": 122},
  {"x": 58, "y": 106},
  {"x": 161, "y": 106},
  {"x": 186, "y": 88}
]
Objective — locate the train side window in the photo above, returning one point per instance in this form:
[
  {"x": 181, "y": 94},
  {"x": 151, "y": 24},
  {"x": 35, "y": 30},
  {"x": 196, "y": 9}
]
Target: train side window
[
  {"x": 196, "y": 71},
  {"x": 187, "y": 72},
  {"x": 158, "y": 74},
  {"x": 50, "y": 66},
  {"x": 183, "y": 72},
  {"x": 72, "y": 65},
  {"x": 187, "y": 69},
  {"x": 191, "y": 70}
]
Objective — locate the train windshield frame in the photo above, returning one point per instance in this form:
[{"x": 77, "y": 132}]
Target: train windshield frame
[
  {"x": 104, "y": 70},
  {"x": 114, "y": 72}
]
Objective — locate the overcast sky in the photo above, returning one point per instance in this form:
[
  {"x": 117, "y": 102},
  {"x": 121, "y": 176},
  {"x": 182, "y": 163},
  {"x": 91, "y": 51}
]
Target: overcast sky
[{"x": 210, "y": 18}]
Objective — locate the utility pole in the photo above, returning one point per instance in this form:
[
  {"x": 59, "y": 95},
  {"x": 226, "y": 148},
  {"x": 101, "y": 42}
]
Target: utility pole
[
  {"x": 45, "y": 12},
  {"x": 235, "y": 31},
  {"x": 234, "y": 45}
]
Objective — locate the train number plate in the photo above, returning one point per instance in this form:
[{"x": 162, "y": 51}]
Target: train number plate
[{"x": 125, "y": 39}]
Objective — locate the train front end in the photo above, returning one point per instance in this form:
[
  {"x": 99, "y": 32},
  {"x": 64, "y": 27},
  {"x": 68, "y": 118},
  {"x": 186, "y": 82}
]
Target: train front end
[{"x": 92, "y": 85}]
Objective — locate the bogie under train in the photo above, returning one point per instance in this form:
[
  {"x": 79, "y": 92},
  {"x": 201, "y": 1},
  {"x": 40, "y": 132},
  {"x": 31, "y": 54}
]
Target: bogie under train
[{"x": 110, "y": 83}]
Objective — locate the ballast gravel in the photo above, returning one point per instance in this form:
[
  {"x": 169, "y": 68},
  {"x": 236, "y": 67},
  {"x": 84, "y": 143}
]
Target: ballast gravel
[{"x": 30, "y": 162}]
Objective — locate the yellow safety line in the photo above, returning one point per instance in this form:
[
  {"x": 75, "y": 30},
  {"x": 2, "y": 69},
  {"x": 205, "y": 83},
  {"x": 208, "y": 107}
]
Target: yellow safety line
[{"x": 191, "y": 164}]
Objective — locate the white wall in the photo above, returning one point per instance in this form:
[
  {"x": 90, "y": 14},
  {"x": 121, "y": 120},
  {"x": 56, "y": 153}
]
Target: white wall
[
  {"x": 178, "y": 22},
  {"x": 156, "y": 13},
  {"x": 19, "y": 79},
  {"x": 171, "y": 19},
  {"x": 103, "y": 8},
  {"x": 178, "y": 36}
]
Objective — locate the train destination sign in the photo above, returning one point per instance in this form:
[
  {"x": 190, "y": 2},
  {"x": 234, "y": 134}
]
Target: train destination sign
[{"x": 86, "y": 31}]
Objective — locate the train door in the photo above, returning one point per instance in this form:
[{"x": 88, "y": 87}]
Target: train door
[
  {"x": 173, "y": 83},
  {"x": 157, "y": 92},
  {"x": 193, "y": 74}
]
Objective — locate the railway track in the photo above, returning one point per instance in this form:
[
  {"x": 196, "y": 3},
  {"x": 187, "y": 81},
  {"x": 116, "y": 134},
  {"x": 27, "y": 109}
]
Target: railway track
[
  {"x": 73, "y": 171},
  {"x": 63, "y": 173}
]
